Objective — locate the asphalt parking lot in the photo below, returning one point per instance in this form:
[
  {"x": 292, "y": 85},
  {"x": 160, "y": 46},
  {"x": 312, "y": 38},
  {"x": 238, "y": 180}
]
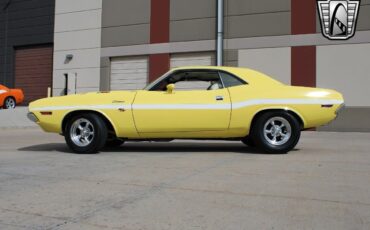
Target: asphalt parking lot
[{"x": 323, "y": 184}]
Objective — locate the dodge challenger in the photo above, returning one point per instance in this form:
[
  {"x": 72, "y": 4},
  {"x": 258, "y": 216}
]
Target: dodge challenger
[
  {"x": 9, "y": 98},
  {"x": 191, "y": 103}
]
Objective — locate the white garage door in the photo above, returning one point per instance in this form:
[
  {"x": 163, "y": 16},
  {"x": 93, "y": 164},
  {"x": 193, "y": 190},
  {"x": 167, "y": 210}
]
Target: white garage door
[
  {"x": 192, "y": 59},
  {"x": 129, "y": 73}
]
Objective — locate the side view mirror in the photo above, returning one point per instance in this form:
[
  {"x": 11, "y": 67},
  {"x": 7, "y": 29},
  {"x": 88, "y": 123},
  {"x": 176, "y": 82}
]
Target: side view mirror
[{"x": 170, "y": 88}]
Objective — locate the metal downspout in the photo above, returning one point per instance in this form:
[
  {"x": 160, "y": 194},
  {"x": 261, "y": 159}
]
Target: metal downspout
[{"x": 220, "y": 32}]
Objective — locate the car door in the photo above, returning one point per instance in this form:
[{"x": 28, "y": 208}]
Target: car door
[{"x": 189, "y": 107}]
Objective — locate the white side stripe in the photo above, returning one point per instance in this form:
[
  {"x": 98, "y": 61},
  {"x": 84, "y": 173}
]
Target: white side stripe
[
  {"x": 79, "y": 107},
  {"x": 2, "y": 91},
  {"x": 182, "y": 106},
  {"x": 225, "y": 106},
  {"x": 239, "y": 105}
]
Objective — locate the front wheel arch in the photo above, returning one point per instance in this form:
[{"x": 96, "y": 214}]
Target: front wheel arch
[
  {"x": 108, "y": 123},
  {"x": 12, "y": 97}
]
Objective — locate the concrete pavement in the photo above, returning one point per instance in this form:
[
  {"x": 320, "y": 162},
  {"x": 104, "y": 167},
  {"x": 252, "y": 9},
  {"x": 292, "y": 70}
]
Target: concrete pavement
[
  {"x": 323, "y": 184},
  {"x": 15, "y": 118}
]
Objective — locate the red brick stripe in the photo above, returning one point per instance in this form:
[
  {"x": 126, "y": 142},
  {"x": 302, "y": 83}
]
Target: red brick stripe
[
  {"x": 159, "y": 33},
  {"x": 160, "y": 21},
  {"x": 158, "y": 65},
  {"x": 303, "y": 16},
  {"x": 304, "y": 66}
]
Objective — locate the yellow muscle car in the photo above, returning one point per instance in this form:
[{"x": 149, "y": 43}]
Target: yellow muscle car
[{"x": 191, "y": 103}]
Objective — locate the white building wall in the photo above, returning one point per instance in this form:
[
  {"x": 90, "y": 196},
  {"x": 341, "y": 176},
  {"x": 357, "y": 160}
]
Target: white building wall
[
  {"x": 275, "y": 62},
  {"x": 77, "y": 32},
  {"x": 345, "y": 68}
]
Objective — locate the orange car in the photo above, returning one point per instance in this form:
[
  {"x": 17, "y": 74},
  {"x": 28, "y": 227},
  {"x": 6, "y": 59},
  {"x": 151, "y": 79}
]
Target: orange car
[{"x": 9, "y": 98}]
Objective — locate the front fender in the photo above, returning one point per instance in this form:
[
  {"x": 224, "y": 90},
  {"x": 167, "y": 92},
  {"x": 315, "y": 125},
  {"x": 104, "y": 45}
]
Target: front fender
[{"x": 101, "y": 113}]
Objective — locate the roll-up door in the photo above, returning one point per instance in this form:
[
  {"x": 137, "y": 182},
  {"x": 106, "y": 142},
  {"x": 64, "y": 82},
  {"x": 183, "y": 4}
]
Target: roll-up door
[
  {"x": 129, "y": 73},
  {"x": 192, "y": 59},
  {"x": 34, "y": 71}
]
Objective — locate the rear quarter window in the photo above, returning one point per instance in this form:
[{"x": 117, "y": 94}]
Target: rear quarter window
[{"x": 230, "y": 80}]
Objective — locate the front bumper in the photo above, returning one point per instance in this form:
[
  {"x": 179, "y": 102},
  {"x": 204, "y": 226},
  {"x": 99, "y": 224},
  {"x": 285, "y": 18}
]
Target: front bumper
[{"x": 32, "y": 117}]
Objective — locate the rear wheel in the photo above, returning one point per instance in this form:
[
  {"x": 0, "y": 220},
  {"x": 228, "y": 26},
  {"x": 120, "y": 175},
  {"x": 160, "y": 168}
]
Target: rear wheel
[
  {"x": 86, "y": 133},
  {"x": 9, "y": 103},
  {"x": 276, "y": 132}
]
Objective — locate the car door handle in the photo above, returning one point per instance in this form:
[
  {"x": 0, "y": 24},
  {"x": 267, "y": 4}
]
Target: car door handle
[
  {"x": 219, "y": 98},
  {"x": 118, "y": 101}
]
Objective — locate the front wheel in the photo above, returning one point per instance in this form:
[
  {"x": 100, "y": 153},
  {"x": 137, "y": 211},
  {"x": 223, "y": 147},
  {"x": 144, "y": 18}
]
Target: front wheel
[
  {"x": 114, "y": 143},
  {"x": 9, "y": 103},
  {"x": 86, "y": 133},
  {"x": 276, "y": 132}
]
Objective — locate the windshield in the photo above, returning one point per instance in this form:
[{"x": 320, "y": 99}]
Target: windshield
[{"x": 151, "y": 85}]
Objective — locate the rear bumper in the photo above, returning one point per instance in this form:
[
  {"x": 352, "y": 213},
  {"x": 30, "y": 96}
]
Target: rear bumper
[{"x": 340, "y": 108}]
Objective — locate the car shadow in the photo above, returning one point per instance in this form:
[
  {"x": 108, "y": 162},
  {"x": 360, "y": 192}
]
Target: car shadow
[
  {"x": 59, "y": 147},
  {"x": 149, "y": 147},
  {"x": 188, "y": 147}
]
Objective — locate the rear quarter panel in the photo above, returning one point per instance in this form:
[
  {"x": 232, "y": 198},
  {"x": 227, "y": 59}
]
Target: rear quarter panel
[
  {"x": 17, "y": 94},
  {"x": 249, "y": 100}
]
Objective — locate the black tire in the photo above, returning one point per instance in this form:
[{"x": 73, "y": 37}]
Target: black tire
[
  {"x": 114, "y": 143},
  {"x": 248, "y": 141},
  {"x": 9, "y": 103},
  {"x": 283, "y": 144},
  {"x": 96, "y": 142}
]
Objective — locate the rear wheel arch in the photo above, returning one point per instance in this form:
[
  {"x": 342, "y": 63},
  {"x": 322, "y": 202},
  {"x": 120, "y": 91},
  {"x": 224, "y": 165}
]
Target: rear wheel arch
[
  {"x": 107, "y": 121},
  {"x": 291, "y": 112}
]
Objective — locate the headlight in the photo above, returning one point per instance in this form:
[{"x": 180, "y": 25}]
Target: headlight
[{"x": 32, "y": 117}]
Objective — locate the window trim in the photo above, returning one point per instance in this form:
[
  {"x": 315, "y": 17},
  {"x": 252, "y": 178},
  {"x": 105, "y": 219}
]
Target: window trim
[{"x": 187, "y": 70}]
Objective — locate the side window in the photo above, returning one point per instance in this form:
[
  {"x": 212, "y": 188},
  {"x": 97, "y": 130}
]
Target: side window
[
  {"x": 191, "y": 80},
  {"x": 230, "y": 80}
]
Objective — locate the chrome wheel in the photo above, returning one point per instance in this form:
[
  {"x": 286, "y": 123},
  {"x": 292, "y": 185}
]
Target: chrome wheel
[
  {"x": 10, "y": 103},
  {"x": 82, "y": 132},
  {"x": 277, "y": 131}
]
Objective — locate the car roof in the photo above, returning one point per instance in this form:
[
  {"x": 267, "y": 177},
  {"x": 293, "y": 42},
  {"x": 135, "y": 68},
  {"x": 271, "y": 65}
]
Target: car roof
[{"x": 206, "y": 67}]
